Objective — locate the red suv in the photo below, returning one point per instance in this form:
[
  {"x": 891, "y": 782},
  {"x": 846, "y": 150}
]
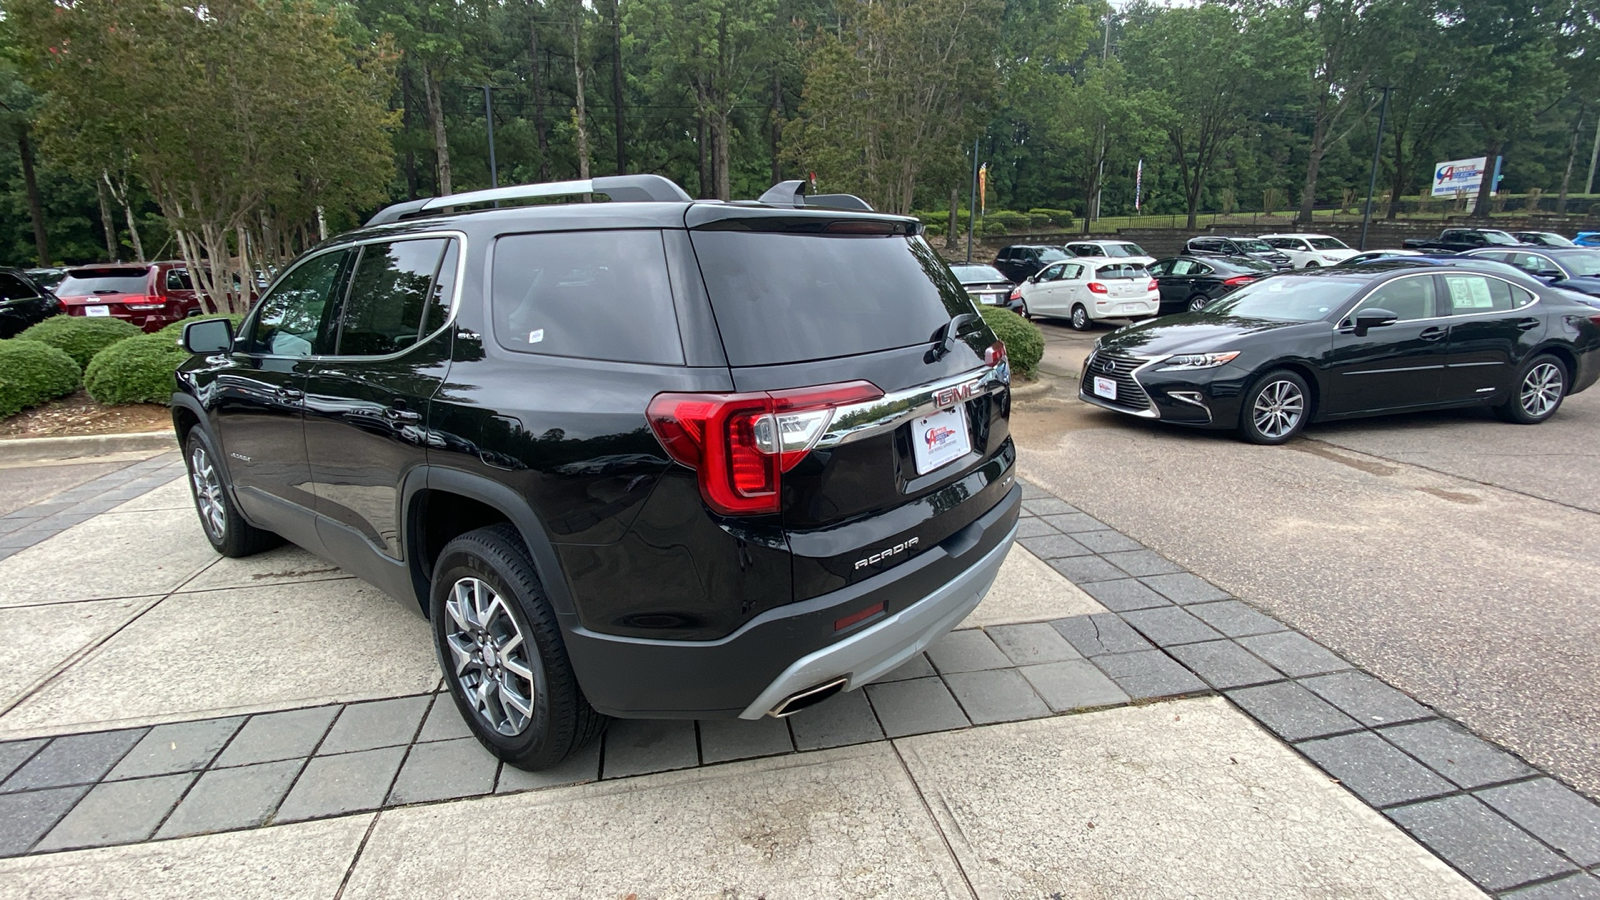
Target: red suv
[{"x": 150, "y": 295}]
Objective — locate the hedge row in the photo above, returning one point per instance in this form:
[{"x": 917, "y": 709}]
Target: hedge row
[{"x": 1023, "y": 339}]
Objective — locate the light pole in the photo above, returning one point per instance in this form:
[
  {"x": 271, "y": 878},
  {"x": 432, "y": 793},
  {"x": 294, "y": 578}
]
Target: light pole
[
  {"x": 488, "y": 121},
  {"x": 1372, "y": 181}
]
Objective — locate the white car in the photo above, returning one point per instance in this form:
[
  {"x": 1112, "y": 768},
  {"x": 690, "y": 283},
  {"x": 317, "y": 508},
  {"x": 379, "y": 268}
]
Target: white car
[
  {"x": 1089, "y": 289},
  {"x": 1309, "y": 251},
  {"x": 1126, "y": 251}
]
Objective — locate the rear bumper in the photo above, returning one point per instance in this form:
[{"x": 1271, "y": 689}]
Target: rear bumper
[{"x": 793, "y": 647}]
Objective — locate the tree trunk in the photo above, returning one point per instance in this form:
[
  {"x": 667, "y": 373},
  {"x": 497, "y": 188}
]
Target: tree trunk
[
  {"x": 133, "y": 229},
  {"x": 107, "y": 224},
  {"x": 441, "y": 146},
  {"x": 1308, "y": 197},
  {"x": 616, "y": 84},
  {"x": 41, "y": 241},
  {"x": 578, "y": 119},
  {"x": 703, "y": 142},
  {"x": 1481, "y": 209},
  {"x": 536, "y": 79},
  {"x": 406, "y": 121},
  {"x": 720, "y": 152},
  {"x": 1398, "y": 185},
  {"x": 1572, "y": 156},
  {"x": 950, "y": 241},
  {"x": 777, "y": 125}
]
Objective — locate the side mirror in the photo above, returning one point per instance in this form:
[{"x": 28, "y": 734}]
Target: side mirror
[
  {"x": 1373, "y": 317},
  {"x": 208, "y": 336},
  {"x": 1034, "y": 278}
]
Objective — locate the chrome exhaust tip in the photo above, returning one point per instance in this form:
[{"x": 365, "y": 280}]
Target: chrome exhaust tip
[{"x": 811, "y": 696}]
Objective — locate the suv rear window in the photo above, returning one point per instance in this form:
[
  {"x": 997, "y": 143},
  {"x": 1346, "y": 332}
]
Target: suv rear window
[
  {"x": 591, "y": 294},
  {"x": 786, "y": 297},
  {"x": 103, "y": 281}
]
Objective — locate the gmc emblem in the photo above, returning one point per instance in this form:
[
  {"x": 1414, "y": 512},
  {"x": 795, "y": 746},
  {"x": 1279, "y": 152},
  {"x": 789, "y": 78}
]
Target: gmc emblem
[{"x": 952, "y": 395}]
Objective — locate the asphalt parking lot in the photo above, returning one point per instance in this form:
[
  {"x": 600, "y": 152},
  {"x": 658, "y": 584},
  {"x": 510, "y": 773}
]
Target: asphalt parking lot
[{"x": 1453, "y": 555}]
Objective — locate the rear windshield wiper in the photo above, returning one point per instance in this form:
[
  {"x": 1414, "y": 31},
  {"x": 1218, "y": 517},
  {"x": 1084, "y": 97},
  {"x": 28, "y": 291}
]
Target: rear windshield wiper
[{"x": 952, "y": 331}]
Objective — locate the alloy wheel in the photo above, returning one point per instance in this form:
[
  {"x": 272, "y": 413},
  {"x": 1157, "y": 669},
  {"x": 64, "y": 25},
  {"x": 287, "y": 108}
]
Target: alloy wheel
[
  {"x": 490, "y": 656},
  {"x": 1541, "y": 389},
  {"x": 1278, "y": 409},
  {"x": 1197, "y": 304},
  {"x": 208, "y": 493},
  {"x": 1080, "y": 318}
]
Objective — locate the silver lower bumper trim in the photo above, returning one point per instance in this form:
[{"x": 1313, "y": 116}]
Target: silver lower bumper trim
[{"x": 886, "y": 646}]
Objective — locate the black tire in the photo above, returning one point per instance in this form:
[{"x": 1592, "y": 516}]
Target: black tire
[
  {"x": 228, "y": 532},
  {"x": 1197, "y": 302},
  {"x": 1080, "y": 318},
  {"x": 1313, "y": 265},
  {"x": 1275, "y": 409},
  {"x": 558, "y": 719},
  {"x": 1537, "y": 392}
]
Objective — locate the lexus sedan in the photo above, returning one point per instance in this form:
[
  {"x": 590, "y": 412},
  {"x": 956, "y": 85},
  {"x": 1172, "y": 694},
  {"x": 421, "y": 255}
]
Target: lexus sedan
[{"x": 1342, "y": 343}]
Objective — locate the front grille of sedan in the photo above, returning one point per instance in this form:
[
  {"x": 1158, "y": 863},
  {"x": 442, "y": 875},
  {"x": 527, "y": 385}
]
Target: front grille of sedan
[{"x": 1130, "y": 395}]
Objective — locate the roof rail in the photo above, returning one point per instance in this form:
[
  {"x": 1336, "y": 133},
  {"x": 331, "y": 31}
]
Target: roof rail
[
  {"x": 620, "y": 188},
  {"x": 793, "y": 193}
]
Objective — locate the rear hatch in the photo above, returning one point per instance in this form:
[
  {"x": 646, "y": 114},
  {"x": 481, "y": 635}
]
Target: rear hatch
[
  {"x": 1124, "y": 281},
  {"x": 901, "y": 464},
  {"x": 106, "y": 291}
]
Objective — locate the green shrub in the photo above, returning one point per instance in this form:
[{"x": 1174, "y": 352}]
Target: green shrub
[
  {"x": 176, "y": 328},
  {"x": 933, "y": 229},
  {"x": 1011, "y": 220},
  {"x": 32, "y": 372},
  {"x": 80, "y": 336},
  {"x": 1061, "y": 218},
  {"x": 137, "y": 370},
  {"x": 991, "y": 227},
  {"x": 1023, "y": 339}
]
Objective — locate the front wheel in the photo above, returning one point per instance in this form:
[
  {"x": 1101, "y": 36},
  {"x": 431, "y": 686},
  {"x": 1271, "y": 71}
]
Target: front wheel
[
  {"x": 1275, "y": 408},
  {"x": 1541, "y": 385},
  {"x": 1312, "y": 265},
  {"x": 228, "y": 532},
  {"x": 1080, "y": 318},
  {"x": 502, "y": 653}
]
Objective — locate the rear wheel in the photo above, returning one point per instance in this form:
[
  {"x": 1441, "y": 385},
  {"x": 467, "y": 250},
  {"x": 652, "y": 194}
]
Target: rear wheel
[
  {"x": 502, "y": 652},
  {"x": 1541, "y": 385},
  {"x": 228, "y": 532},
  {"x": 1198, "y": 302},
  {"x": 1080, "y": 317},
  {"x": 1312, "y": 265},
  {"x": 1275, "y": 408}
]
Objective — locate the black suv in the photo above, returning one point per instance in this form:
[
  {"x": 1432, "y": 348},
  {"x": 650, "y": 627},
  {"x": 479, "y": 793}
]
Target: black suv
[
  {"x": 1022, "y": 261},
  {"x": 1247, "y": 247},
  {"x": 651, "y": 458},
  {"x": 23, "y": 302}
]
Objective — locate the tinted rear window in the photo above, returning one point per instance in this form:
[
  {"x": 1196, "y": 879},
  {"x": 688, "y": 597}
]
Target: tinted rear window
[
  {"x": 592, "y": 294},
  {"x": 104, "y": 281},
  {"x": 783, "y": 297}
]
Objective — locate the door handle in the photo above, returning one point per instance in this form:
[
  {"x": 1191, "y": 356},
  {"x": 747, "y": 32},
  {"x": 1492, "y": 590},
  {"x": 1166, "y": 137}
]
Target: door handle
[
  {"x": 1432, "y": 334},
  {"x": 1526, "y": 324},
  {"x": 400, "y": 414},
  {"x": 290, "y": 395}
]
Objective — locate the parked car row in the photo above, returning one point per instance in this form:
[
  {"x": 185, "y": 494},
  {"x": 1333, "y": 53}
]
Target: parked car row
[{"x": 149, "y": 295}]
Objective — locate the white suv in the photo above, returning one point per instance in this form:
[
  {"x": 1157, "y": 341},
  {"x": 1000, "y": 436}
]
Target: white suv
[
  {"x": 1090, "y": 288},
  {"x": 1126, "y": 251},
  {"x": 1309, "y": 251}
]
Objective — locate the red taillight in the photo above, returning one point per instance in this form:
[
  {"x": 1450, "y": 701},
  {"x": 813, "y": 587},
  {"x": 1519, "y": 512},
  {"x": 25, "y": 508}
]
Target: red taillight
[
  {"x": 1016, "y": 293},
  {"x": 1153, "y": 285},
  {"x": 741, "y": 444},
  {"x": 995, "y": 355},
  {"x": 1237, "y": 280},
  {"x": 1096, "y": 287}
]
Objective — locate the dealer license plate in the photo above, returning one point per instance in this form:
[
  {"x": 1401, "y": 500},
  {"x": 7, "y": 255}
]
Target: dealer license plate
[
  {"x": 99, "y": 311},
  {"x": 1105, "y": 387},
  {"x": 940, "y": 439}
]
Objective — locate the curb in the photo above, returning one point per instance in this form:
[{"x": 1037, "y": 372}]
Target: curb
[
  {"x": 1028, "y": 390},
  {"x": 58, "y": 448}
]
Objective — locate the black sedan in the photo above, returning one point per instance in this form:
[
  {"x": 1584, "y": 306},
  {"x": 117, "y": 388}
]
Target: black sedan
[
  {"x": 988, "y": 287},
  {"x": 1571, "y": 268},
  {"x": 1189, "y": 283},
  {"x": 23, "y": 303},
  {"x": 1337, "y": 344}
]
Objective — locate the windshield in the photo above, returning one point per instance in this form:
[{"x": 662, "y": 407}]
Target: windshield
[
  {"x": 1498, "y": 237},
  {"x": 1328, "y": 244},
  {"x": 1286, "y": 298},
  {"x": 975, "y": 274},
  {"x": 1546, "y": 238},
  {"x": 1249, "y": 265},
  {"x": 1118, "y": 251},
  {"x": 1582, "y": 265},
  {"x": 103, "y": 281},
  {"x": 1254, "y": 246},
  {"x": 1051, "y": 254}
]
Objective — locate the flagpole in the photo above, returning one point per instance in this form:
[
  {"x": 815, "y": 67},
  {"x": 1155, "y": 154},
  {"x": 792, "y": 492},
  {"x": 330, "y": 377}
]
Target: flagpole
[{"x": 972, "y": 205}]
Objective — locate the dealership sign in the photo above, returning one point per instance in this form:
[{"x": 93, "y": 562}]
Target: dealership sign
[{"x": 1460, "y": 176}]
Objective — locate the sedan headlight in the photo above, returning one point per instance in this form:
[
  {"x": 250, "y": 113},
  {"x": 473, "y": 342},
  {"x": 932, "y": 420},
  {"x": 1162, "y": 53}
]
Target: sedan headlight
[{"x": 1197, "y": 360}]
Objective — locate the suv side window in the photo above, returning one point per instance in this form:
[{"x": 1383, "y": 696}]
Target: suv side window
[
  {"x": 294, "y": 319},
  {"x": 178, "y": 280},
  {"x": 1005, "y": 255},
  {"x": 392, "y": 297},
  {"x": 593, "y": 294}
]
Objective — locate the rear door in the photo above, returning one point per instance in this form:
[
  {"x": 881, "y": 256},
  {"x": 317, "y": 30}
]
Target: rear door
[
  {"x": 814, "y": 299},
  {"x": 367, "y": 400},
  {"x": 1491, "y": 330}
]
